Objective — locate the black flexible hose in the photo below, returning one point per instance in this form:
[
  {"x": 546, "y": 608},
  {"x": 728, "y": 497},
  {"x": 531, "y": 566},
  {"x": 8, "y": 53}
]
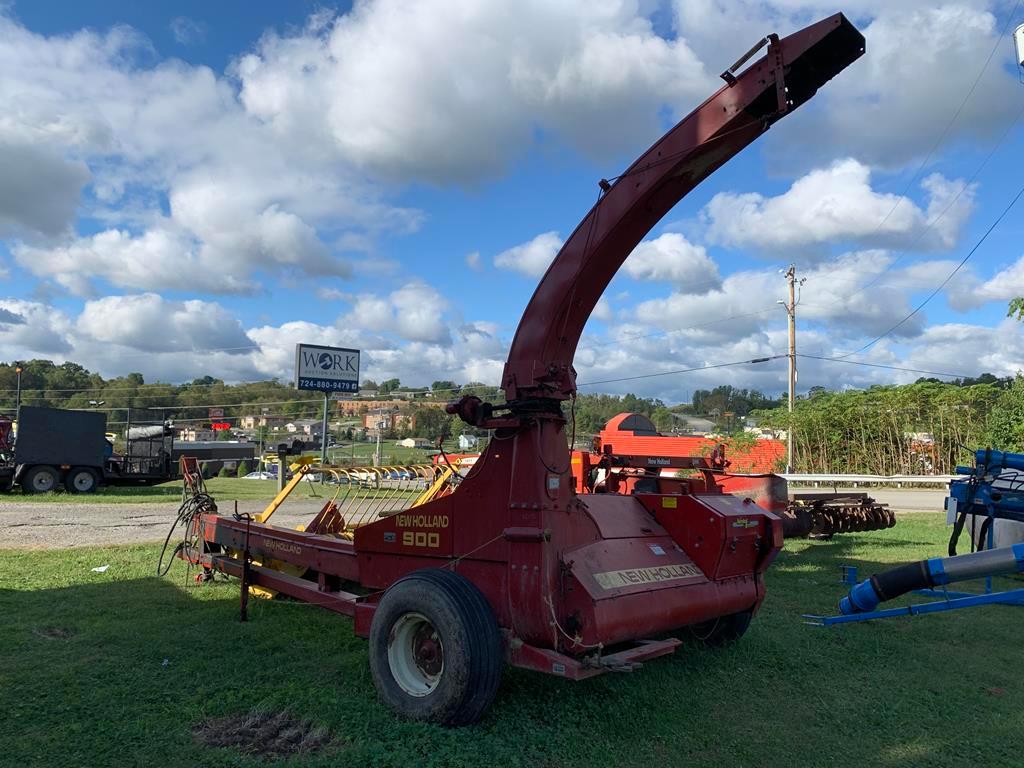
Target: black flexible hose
[{"x": 187, "y": 512}]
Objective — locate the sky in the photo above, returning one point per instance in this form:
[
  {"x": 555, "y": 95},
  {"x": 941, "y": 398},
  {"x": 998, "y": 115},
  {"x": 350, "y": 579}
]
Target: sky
[{"x": 192, "y": 188}]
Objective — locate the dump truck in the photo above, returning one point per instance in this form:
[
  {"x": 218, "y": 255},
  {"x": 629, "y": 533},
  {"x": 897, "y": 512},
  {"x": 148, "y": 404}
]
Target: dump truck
[{"x": 55, "y": 448}]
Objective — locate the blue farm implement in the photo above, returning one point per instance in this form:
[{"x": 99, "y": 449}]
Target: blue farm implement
[{"x": 991, "y": 490}]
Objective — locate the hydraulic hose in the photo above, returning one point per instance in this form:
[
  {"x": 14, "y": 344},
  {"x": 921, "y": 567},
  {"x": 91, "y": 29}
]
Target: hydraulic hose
[{"x": 935, "y": 572}]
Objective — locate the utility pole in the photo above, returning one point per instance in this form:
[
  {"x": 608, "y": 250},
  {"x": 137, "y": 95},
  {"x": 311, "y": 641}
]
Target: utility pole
[
  {"x": 791, "y": 313},
  {"x": 323, "y": 435},
  {"x": 17, "y": 407},
  {"x": 380, "y": 426}
]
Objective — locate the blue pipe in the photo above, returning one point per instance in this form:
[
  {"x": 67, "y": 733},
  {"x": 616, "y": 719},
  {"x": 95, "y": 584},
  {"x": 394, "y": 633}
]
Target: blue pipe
[{"x": 935, "y": 572}]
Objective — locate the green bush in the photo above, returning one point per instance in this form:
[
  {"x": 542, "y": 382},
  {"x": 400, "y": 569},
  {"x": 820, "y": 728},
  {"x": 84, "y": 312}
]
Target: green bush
[
  {"x": 224, "y": 472},
  {"x": 243, "y": 469}
]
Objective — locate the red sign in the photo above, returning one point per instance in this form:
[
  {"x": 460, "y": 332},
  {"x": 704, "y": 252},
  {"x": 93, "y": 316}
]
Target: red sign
[{"x": 219, "y": 425}]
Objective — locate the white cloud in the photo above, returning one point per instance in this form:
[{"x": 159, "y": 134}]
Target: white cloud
[
  {"x": 187, "y": 31},
  {"x": 415, "y": 312},
  {"x": 853, "y": 296},
  {"x": 39, "y": 189},
  {"x": 183, "y": 177},
  {"x": 473, "y": 261},
  {"x": 838, "y": 205},
  {"x": 460, "y": 87},
  {"x": 531, "y": 258},
  {"x": 158, "y": 258},
  {"x": 967, "y": 291},
  {"x": 602, "y": 310},
  {"x": 672, "y": 258},
  {"x": 332, "y": 294},
  {"x": 738, "y": 308},
  {"x": 150, "y": 323},
  {"x": 998, "y": 350},
  {"x": 893, "y": 104},
  {"x": 39, "y": 330}
]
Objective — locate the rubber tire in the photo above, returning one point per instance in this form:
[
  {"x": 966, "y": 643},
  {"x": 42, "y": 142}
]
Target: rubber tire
[
  {"x": 473, "y": 656},
  {"x": 722, "y": 631},
  {"x": 29, "y": 478},
  {"x": 69, "y": 480}
]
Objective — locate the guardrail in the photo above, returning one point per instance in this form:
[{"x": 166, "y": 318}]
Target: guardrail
[{"x": 854, "y": 480}]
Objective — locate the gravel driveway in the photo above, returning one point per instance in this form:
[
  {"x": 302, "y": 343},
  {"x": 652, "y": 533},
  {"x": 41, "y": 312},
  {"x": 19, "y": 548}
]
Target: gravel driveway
[{"x": 36, "y": 525}]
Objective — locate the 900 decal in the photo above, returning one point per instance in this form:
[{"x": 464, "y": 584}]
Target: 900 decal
[{"x": 420, "y": 539}]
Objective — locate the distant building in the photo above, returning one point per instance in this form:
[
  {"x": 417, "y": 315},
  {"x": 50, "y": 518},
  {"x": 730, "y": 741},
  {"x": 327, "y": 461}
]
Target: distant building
[
  {"x": 387, "y": 420},
  {"x": 468, "y": 442},
  {"x": 359, "y": 407},
  {"x": 192, "y": 435},
  {"x": 305, "y": 427},
  {"x": 271, "y": 422}
]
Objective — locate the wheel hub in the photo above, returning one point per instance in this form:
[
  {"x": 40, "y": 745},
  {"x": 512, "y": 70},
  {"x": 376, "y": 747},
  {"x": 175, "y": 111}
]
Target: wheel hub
[
  {"x": 43, "y": 482},
  {"x": 427, "y": 651},
  {"x": 415, "y": 654}
]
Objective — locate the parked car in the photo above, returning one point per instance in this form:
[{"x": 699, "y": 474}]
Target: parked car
[{"x": 260, "y": 476}]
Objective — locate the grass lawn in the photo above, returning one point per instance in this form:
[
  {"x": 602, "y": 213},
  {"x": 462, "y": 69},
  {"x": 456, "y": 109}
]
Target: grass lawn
[{"x": 119, "y": 668}]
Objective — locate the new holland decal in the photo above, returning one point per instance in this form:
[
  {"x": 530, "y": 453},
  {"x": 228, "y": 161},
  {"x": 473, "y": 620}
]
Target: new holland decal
[{"x": 631, "y": 576}]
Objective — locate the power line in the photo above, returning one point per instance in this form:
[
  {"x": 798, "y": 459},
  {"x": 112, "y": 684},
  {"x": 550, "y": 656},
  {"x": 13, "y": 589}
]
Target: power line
[
  {"x": 618, "y": 341},
  {"x": 943, "y": 284},
  {"x": 186, "y": 407},
  {"x": 889, "y": 367},
  {"x": 681, "y": 370}
]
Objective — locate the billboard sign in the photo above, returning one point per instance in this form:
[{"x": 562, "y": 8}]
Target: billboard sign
[
  {"x": 220, "y": 426},
  {"x": 326, "y": 369},
  {"x": 215, "y": 413}
]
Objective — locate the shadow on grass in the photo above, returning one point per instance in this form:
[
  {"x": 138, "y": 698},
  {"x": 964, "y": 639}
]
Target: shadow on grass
[{"x": 121, "y": 672}]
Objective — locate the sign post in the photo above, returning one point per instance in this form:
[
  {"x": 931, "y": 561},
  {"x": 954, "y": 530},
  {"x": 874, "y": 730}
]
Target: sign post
[{"x": 327, "y": 370}]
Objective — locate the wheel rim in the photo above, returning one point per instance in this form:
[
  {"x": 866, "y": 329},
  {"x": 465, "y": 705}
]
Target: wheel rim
[
  {"x": 43, "y": 481},
  {"x": 415, "y": 655},
  {"x": 83, "y": 481}
]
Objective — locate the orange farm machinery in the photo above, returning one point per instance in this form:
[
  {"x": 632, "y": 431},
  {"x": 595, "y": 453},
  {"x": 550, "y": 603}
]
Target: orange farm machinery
[
  {"x": 631, "y": 456},
  {"x": 514, "y": 566}
]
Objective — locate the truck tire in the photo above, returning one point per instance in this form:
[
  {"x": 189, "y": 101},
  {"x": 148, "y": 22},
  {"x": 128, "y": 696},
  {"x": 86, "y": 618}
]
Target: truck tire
[
  {"x": 435, "y": 650},
  {"x": 40, "y": 479},
  {"x": 81, "y": 480},
  {"x": 722, "y": 631}
]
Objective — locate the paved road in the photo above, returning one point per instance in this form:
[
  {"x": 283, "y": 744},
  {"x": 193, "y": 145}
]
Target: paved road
[
  {"x": 899, "y": 499},
  {"x": 35, "y": 525}
]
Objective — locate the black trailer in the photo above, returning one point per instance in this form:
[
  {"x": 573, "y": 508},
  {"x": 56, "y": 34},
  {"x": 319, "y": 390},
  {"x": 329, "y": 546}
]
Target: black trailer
[{"x": 57, "y": 448}]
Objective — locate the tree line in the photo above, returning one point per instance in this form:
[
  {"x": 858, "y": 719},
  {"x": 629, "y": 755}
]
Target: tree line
[{"x": 928, "y": 427}]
